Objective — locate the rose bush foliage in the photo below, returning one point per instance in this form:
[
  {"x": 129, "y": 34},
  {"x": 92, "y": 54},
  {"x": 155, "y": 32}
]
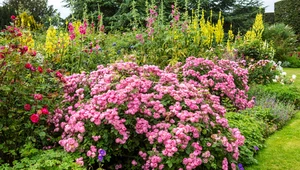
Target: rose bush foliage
[{"x": 142, "y": 117}]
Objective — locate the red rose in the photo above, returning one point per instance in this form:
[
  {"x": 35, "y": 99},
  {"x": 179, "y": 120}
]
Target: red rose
[
  {"x": 27, "y": 107},
  {"x": 34, "y": 118},
  {"x": 40, "y": 69},
  {"x": 13, "y": 17},
  {"x": 28, "y": 65},
  {"x": 45, "y": 111},
  {"x": 58, "y": 74}
]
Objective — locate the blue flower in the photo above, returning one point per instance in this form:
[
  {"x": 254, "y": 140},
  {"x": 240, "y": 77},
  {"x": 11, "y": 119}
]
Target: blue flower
[
  {"x": 256, "y": 148},
  {"x": 119, "y": 51},
  {"x": 114, "y": 44}
]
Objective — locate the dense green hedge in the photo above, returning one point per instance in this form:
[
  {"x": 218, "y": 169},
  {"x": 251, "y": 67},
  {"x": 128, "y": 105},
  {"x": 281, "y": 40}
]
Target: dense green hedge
[
  {"x": 269, "y": 17},
  {"x": 287, "y": 11}
]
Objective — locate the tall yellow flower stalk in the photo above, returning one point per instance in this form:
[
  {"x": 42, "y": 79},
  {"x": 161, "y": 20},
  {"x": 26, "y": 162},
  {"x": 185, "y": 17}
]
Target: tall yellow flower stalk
[
  {"x": 207, "y": 31},
  {"x": 230, "y": 38},
  {"x": 257, "y": 29},
  {"x": 219, "y": 31},
  {"x": 258, "y": 26},
  {"x": 51, "y": 40}
]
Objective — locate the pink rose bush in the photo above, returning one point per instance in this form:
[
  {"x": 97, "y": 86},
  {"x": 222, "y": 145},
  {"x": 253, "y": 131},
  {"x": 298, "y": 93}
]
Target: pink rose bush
[{"x": 148, "y": 118}]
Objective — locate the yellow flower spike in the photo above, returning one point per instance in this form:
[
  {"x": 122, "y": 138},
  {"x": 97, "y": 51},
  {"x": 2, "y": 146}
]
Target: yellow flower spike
[
  {"x": 258, "y": 26},
  {"x": 219, "y": 32}
]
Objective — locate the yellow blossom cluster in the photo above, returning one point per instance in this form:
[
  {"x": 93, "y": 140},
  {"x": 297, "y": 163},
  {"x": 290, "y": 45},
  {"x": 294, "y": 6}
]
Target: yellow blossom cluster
[
  {"x": 27, "y": 39},
  {"x": 218, "y": 30},
  {"x": 51, "y": 40},
  {"x": 27, "y": 21},
  {"x": 56, "y": 41},
  {"x": 257, "y": 29}
]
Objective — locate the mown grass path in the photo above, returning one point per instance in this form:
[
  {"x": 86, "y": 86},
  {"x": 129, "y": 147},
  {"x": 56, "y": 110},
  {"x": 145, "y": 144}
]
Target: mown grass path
[{"x": 283, "y": 147}]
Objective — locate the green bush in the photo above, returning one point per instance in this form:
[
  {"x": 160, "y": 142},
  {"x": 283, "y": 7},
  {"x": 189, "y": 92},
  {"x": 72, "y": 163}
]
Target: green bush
[
  {"x": 255, "y": 50},
  {"x": 294, "y": 60},
  {"x": 252, "y": 129},
  {"x": 283, "y": 38}
]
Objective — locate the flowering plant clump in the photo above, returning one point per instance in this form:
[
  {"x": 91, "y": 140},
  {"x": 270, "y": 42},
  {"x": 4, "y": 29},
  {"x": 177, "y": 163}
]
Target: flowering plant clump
[
  {"x": 27, "y": 96},
  {"x": 146, "y": 118},
  {"x": 224, "y": 78},
  {"x": 263, "y": 72}
]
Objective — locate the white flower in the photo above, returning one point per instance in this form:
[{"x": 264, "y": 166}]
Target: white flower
[
  {"x": 283, "y": 73},
  {"x": 276, "y": 77},
  {"x": 279, "y": 63},
  {"x": 293, "y": 76}
]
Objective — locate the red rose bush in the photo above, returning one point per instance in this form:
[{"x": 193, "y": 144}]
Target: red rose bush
[{"x": 143, "y": 117}]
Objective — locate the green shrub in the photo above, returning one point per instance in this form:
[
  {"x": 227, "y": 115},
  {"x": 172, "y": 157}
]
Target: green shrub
[
  {"x": 252, "y": 129},
  {"x": 255, "y": 50},
  {"x": 264, "y": 115},
  {"x": 283, "y": 38},
  {"x": 294, "y": 60}
]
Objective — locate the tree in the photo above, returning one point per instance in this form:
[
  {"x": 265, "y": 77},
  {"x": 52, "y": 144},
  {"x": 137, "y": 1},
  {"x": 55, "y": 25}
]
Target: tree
[
  {"x": 5, "y": 13},
  {"x": 39, "y": 9},
  {"x": 288, "y": 12}
]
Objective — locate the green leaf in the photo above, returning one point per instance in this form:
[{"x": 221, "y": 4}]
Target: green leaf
[
  {"x": 170, "y": 163},
  {"x": 5, "y": 88},
  {"x": 42, "y": 134}
]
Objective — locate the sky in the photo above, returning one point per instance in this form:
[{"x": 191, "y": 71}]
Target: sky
[{"x": 64, "y": 12}]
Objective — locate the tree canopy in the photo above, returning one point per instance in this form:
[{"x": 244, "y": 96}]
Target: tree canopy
[{"x": 39, "y": 9}]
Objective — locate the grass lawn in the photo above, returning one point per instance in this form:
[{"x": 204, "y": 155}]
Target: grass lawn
[{"x": 283, "y": 147}]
